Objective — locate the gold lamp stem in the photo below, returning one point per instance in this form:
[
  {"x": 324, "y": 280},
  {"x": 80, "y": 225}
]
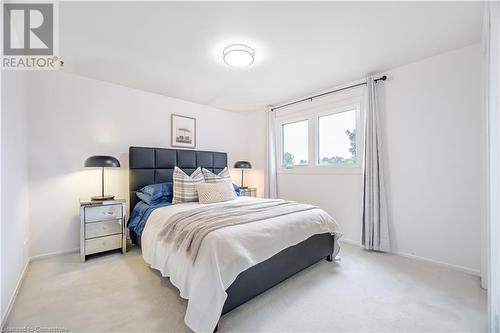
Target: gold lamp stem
[{"x": 102, "y": 182}]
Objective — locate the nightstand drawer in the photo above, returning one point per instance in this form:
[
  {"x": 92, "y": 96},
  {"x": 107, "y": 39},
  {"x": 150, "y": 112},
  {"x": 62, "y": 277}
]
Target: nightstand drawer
[
  {"x": 99, "y": 229},
  {"x": 101, "y": 244},
  {"x": 104, "y": 212}
]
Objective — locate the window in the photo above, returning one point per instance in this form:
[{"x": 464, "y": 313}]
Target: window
[
  {"x": 337, "y": 138},
  {"x": 322, "y": 138},
  {"x": 294, "y": 143}
]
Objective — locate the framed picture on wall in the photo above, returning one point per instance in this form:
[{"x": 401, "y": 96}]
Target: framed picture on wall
[{"x": 183, "y": 131}]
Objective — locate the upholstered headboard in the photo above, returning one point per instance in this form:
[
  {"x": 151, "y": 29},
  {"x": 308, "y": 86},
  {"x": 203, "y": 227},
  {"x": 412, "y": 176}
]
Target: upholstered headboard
[{"x": 156, "y": 165}]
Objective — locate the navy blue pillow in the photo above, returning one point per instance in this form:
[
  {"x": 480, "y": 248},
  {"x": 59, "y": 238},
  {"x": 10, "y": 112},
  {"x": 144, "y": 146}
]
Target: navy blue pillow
[
  {"x": 156, "y": 193},
  {"x": 237, "y": 189}
]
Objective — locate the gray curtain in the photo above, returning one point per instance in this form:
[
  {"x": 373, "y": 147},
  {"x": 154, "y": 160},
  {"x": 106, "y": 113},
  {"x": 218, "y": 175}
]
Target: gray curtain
[
  {"x": 375, "y": 229},
  {"x": 271, "y": 180}
]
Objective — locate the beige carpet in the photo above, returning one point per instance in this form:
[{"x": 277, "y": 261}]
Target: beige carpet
[{"x": 365, "y": 292}]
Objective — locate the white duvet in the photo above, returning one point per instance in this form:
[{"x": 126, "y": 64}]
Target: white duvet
[{"x": 224, "y": 254}]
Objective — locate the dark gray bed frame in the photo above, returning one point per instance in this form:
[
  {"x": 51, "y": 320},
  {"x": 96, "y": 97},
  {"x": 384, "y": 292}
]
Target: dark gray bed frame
[{"x": 156, "y": 165}]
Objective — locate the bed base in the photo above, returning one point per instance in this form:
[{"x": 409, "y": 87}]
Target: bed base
[{"x": 265, "y": 275}]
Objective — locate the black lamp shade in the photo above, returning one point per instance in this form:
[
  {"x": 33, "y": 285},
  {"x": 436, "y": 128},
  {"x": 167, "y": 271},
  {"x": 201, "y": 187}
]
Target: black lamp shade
[
  {"x": 242, "y": 165},
  {"x": 101, "y": 161}
]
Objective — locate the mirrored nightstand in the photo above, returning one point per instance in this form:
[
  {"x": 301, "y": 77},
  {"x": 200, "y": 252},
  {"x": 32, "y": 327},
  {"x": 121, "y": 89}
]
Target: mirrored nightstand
[
  {"x": 102, "y": 227},
  {"x": 248, "y": 192}
]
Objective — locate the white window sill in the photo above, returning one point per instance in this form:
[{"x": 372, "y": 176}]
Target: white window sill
[{"x": 321, "y": 170}]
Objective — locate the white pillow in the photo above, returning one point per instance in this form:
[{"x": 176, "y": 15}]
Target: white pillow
[
  {"x": 185, "y": 186},
  {"x": 215, "y": 192}
]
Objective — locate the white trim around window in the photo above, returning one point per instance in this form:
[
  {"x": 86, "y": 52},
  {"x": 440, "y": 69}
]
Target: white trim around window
[{"x": 312, "y": 112}]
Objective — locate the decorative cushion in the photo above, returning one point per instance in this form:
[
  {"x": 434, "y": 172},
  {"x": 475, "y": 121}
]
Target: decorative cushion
[
  {"x": 215, "y": 192},
  {"x": 156, "y": 193},
  {"x": 211, "y": 177},
  {"x": 223, "y": 176},
  {"x": 185, "y": 186}
]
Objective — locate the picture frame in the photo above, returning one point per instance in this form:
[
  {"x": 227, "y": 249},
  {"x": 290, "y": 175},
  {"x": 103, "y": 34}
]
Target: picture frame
[{"x": 183, "y": 131}]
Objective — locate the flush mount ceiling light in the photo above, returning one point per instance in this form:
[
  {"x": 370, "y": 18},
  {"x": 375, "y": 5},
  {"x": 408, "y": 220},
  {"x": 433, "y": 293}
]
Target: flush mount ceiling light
[{"x": 238, "y": 55}]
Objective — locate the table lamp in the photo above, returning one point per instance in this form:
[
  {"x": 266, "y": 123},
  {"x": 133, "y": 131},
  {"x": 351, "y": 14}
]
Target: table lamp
[
  {"x": 100, "y": 161},
  {"x": 242, "y": 165}
]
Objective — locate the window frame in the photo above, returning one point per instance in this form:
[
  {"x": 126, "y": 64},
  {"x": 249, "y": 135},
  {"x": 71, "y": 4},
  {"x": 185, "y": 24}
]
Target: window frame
[
  {"x": 312, "y": 111},
  {"x": 281, "y": 145},
  {"x": 357, "y": 109}
]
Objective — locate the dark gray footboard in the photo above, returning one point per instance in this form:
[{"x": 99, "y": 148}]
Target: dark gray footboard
[{"x": 278, "y": 268}]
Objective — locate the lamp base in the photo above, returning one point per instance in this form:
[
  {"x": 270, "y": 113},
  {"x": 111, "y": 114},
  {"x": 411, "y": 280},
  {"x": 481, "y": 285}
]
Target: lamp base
[{"x": 102, "y": 197}]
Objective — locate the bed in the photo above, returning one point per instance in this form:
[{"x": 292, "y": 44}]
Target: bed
[{"x": 156, "y": 165}]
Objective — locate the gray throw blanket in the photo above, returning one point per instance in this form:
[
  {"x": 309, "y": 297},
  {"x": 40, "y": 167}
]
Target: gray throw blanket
[{"x": 188, "y": 229}]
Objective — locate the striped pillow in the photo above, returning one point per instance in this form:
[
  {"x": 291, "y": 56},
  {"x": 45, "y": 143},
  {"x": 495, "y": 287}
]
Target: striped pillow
[
  {"x": 211, "y": 177},
  {"x": 185, "y": 186}
]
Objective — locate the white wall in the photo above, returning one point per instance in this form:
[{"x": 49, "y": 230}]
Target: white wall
[
  {"x": 434, "y": 155},
  {"x": 14, "y": 214},
  {"x": 72, "y": 117},
  {"x": 255, "y": 125},
  {"x": 491, "y": 39}
]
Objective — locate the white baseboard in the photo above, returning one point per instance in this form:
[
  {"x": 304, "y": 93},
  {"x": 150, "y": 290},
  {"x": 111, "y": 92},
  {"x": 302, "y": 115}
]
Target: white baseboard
[
  {"x": 14, "y": 295},
  {"x": 423, "y": 259},
  {"x": 349, "y": 241},
  {"x": 440, "y": 263},
  {"x": 53, "y": 254}
]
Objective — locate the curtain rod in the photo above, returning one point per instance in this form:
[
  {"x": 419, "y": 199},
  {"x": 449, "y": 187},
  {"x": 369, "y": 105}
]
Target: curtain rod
[{"x": 382, "y": 78}]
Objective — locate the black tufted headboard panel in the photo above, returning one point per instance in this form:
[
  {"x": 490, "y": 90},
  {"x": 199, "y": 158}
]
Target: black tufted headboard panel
[{"x": 156, "y": 165}]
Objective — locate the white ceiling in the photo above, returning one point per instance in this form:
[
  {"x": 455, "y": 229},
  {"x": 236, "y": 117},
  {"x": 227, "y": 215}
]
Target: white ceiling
[{"x": 175, "y": 49}]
